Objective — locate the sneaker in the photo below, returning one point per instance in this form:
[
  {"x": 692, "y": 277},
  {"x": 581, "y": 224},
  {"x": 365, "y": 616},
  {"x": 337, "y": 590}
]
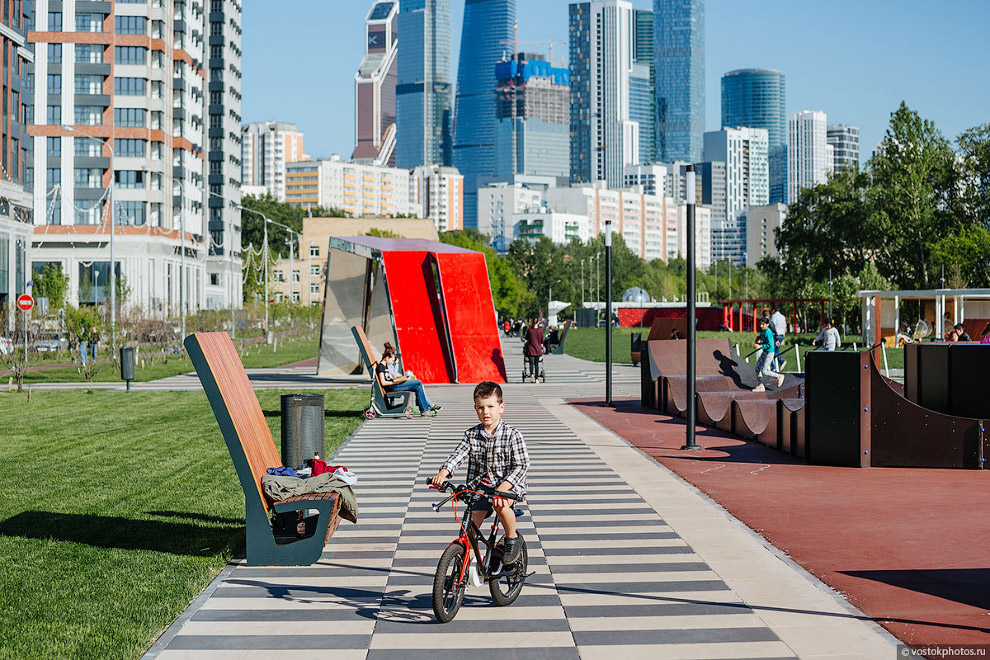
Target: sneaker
[
  {"x": 780, "y": 381},
  {"x": 783, "y": 363},
  {"x": 436, "y": 408},
  {"x": 511, "y": 549},
  {"x": 759, "y": 388}
]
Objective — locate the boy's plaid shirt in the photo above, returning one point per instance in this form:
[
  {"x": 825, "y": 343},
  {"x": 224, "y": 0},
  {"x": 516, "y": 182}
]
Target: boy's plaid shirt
[{"x": 502, "y": 456}]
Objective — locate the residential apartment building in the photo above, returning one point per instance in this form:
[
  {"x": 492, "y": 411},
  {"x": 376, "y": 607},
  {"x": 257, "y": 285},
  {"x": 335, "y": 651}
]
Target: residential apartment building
[
  {"x": 498, "y": 203},
  {"x": 679, "y": 64},
  {"x": 424, "y": 88},
  {"x": 743, "y": 151},
  {"x": 15, "y": 204},
  {"x": 757, "y": 98},
  {"x": 761, "y": 223},
  {"x": 122, "y": 102},
  {"x": 844, "y": 140},
  {"x": 604, "y": 138},
  {"x": 437, "y": 192},
  {"x": 374, "y": 88},
  {"x": 561, "y": 228},
  {"x": 809, "y": 156},
  {"x": 487, "y": 28},
  {"x": 356, "y": 190},
  {"x": 532, "y": 131},
  {"x": 651, "y": 178},
  {"x": 223, "y": 108},
  {"x": 266, "y": 148}
]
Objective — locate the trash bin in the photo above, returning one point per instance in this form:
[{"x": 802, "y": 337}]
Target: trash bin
[
  {"x": 635, "y": 346},
  {"x": 127, "y": 365},
  {"x": 302, "y": 428}
]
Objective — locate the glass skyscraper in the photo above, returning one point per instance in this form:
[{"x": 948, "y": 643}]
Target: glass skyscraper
[
  {"x": 487, "y": 27},
  {"x": 756, "y": 98},
  {"x": 679, "y": 61},
  {"x": 642, "y": 81},
  {"x": 423, "y": 93}
]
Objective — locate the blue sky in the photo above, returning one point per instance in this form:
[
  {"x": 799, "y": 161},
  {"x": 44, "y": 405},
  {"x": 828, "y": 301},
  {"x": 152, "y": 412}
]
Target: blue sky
[{"x": 854, "y": 59}]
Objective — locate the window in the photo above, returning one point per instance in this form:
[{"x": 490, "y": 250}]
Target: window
[
  {"x": 131, "y": 213},
  {"x": 216, "y": 98},
  {"x": 157, "y": 29},
  {"x": 157, "y": 58},
  {"x": 214, "y": 279},
  {"x": 295, "y": 296},
  {"x": 89, "y": 84},
  {"x": 156, "y": 119},
  {"x": 87, "y": 177},
  {"x": 156, "y": 150},
  {"x": 131, "y": 55},
  {"x": 314, "y": 289},
  {"x": 54, "y": 83},
  {"x": 89, "y": 115},
  {"x": 130, "y": 86},
  {"x": 157, "y": 89},
  {"x": 278, "y": 276},
  {"x": 130, "y": 24},
  {"x": 28, "y": 114},
  {"x": 29, "y": 177},
  {"x": 53, "y": 176},
  {"x": 54, "y": 52},
  {"x": 314, "y": 251},
  {"x": 28, "y": 82},
  {"x": 131, "y": 2},
  {"x": 89, "y": 22},
  {"x": 130, "y": 178},
  {"x": 130, "y": 148},
  {"x": 87, "y": 212},
  {"x": 54, "y": 21},
  {"x": 54, "y": 146},
  {"x": 87, "y": 148},
  {"x": 314, "y": 271},
  {"x": 55, "y": 115},
  {"x": 129, "y": 117},
  {"x": 89, "y": 53},
  {"x": 295, "y": 276}
]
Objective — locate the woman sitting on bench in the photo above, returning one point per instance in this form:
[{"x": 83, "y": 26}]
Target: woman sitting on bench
[{"x": 401, "y": 383}]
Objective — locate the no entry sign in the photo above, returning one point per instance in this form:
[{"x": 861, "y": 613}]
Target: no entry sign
[{"x": 25, "y": 302}]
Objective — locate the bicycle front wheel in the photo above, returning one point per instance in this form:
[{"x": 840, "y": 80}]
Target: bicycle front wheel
[
  {"x": 506, "y": 589},
  {"x": 448, "y": 588}
]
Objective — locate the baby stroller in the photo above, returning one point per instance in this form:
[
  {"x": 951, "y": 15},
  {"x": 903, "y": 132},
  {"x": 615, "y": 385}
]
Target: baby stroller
[{"x": 540, "y": 373}]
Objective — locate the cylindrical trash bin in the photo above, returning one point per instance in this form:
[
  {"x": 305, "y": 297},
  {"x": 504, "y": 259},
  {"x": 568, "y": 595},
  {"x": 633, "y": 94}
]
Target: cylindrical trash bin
[
  {"x": 127, "y": 364},
  {"x": 635, "y": 346},
  {"x": 302, "y": 428}
]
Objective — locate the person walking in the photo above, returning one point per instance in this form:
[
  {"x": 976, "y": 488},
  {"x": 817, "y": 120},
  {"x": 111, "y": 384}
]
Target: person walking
[
  {"x": 778, "y": 324},
  {"x": 764, "y": 363},
  {"x": 829, "y": 336},
  {"x": 534, "y": 348},
  {"x": 94, "y": 341}
]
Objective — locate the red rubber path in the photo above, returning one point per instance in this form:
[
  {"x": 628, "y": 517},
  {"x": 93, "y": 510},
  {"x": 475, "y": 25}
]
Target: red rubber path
[{"x": 908, "y": 547}]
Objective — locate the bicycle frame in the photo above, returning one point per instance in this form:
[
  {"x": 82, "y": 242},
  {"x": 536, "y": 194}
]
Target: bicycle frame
[{"x": 469, "y": 537}]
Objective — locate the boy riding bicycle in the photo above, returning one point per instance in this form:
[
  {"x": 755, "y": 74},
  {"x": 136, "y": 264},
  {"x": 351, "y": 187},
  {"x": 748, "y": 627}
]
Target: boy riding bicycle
[{"x": 497, "y": 457}]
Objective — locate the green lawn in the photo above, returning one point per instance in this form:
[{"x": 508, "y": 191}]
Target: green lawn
[
  {"x": 290, "y": 349},
  {"x": 116, "y": 509},
  {"x": 589, "y": 344}
]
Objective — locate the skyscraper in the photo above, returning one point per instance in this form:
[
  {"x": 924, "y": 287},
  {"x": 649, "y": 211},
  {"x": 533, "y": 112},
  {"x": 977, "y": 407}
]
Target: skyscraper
[
  {"x": 486, "y": 34},
  {"x": 844, "y": 140},
  {"x": 679, "y": 61},
  {"x": 266, "y": 148},
  {"x": 423, "y": 93},
  {"x": 539, "y": 124},
  {"x": 756, "y": 98},
  {"x": 744, "y": 154},
  {"x": 809, "y": 158},
  {"x": 374, "y": 88},
  {"x": 136, "y": 104},
  {"x": 642, "y": 83},
  {"x": 603, "y": 137}
]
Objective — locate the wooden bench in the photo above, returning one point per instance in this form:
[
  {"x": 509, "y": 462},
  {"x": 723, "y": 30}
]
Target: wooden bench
[{"x": 253, "y": 451}]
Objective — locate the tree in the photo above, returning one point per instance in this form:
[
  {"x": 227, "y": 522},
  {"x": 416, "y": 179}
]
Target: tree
[
  {"x": 52, "y": 283},
  {"x": 253, "y": 225},
  {"x": 382, "y": 233},
  {"x": 974, "y": 152},
  {"x": 913, "y": 191}
]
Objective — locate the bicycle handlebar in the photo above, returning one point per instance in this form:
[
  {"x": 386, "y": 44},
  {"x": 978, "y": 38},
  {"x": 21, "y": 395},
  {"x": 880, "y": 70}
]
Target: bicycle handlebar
[{"x": 486, "y": 491}]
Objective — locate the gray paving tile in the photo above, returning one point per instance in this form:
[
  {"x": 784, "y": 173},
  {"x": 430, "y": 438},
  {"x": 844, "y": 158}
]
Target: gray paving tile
[
  {"x": 692, "y": 636},
  {"x": 268, "y": 642}
]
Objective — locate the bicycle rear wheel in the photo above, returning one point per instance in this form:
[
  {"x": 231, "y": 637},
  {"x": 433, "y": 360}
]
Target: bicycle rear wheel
[
  {"x": 448, "y": 589},
  {"x": 506, "y": 589}
]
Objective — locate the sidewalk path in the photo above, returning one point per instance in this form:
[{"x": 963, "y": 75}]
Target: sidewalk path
[{"x": 630, "y": 561}]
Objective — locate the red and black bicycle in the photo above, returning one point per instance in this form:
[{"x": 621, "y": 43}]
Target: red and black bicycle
[{"x": 505, "y": 581}]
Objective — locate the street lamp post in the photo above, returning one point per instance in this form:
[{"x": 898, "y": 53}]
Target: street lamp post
[
  {"x": 608, "y": 312},
  {"x": 691, "y": 412},
  {"x": 113, "y": 211}
]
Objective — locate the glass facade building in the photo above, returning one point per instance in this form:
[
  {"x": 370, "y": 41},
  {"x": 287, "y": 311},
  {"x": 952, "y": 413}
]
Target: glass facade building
[
  {"x": 642, "y": 81},
  {"x": 423, "y": 92},
  {"x": 756, "y": 98},
  {"x": 844, "y": 140},
  {"x": 487, "y": 26},
  {"x": 679, "y": 61}
]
